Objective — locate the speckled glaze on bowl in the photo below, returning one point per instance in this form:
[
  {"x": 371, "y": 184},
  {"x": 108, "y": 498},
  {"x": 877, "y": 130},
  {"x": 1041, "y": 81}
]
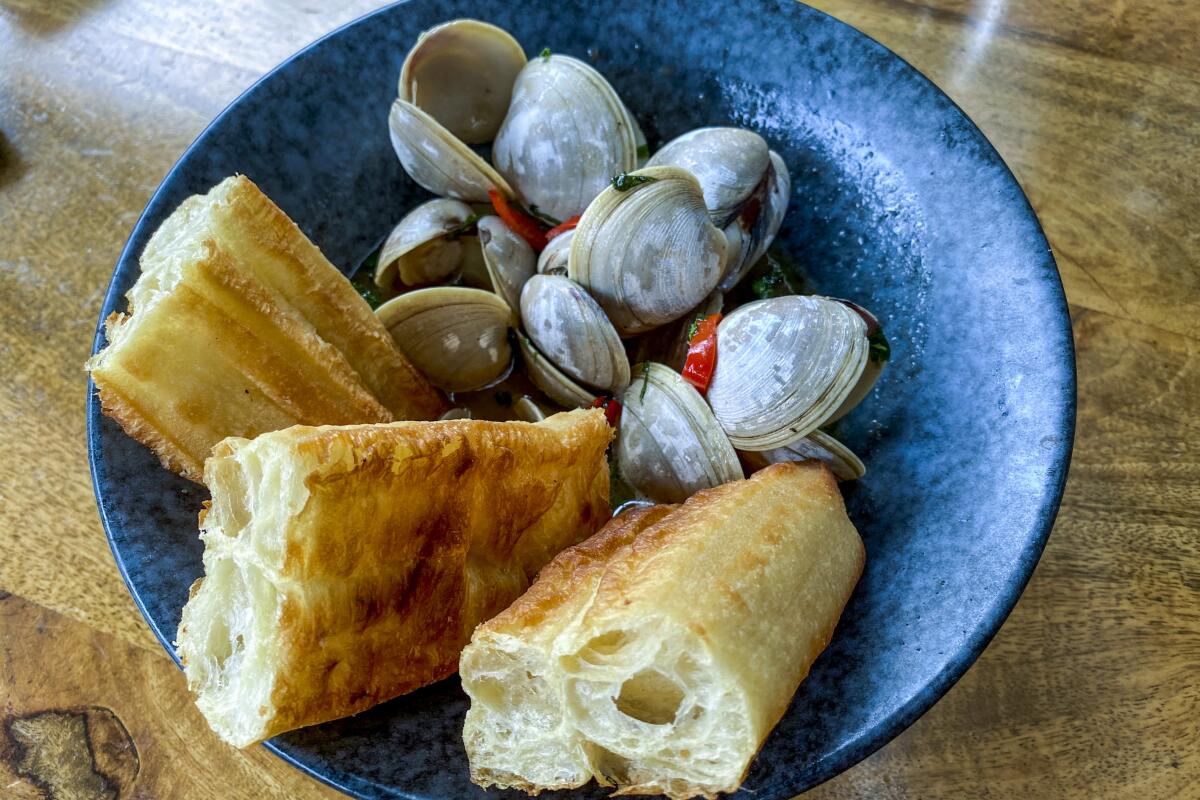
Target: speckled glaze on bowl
[{"x": 898, "y": 201}]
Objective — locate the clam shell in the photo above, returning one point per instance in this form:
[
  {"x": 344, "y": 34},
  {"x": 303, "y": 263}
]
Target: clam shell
[
  {"x": 439, "y": 161},
  {"x": 553, "y": 258},
  {"x": 457, "y": 337},
  {"x": 418, "y": 252},
  {"x": 784, "y": 365},
  {"x": 564, "y": 137},
  {"x": 749, "y": 234},
  {"x": 728, "y": 162},
  {"x": 509, "y": 259},
  {"x": 818, "y": 445},
  {"x": 648, "y": 254},
  {"x": 570, "y": 329},
  {"x": 669, "y": 444},
  {"x": 527, "y": 410},
  {"x": 461, "y": 73},
  {"x": 550, "y": 379}
]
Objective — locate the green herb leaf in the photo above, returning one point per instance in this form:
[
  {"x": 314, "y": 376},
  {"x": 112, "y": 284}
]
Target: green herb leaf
[
  {"x": 695, "y": 326},
  {"x": 364, "y": 284},
  {"x": 467, "y": 228},
  {"x": 879, "y": 351},
  {"x": 553, "y": 222},
  {"x": 643, "y": 151},
  {"x": 504, "y": 398},
  {"x": 774, "y": 284},
  {"x": 645, "y": 383},
  {"x": 623, "y": 181},
  {"x": 545, "y": 54}
]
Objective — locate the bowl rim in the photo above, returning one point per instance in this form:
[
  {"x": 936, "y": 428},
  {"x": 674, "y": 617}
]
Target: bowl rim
[{"x": 872, "y": 739}]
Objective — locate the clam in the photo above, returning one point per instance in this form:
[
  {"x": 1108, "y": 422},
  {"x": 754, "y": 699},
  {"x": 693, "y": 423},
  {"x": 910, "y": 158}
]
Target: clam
[
  {"x": 425, "y": 247},
  {"x": 728, "y": 162},
  {"x": 437, "y": 160},
  {"x": 669, "y": 344},
  {"x": 553, "y": 258},
  {"x": 754, "y": 228},
  {"x": 509, "y": 259},
  {"x": 461, "y": 73},
  {"x": 648, "y": 252},
  {"x": 569, "y": 328},
  {"x": 455, "y": 413},
  {"x": 564, "y": 137},
  {"x": 784, "y": 366},
  {"x": 457, "y": 337},
  {"x": 550, "y": 379},
  {"x": 878, "y": 355},
  {"x": 818, "y": 445},
  {"x": 669, "y": 444}
]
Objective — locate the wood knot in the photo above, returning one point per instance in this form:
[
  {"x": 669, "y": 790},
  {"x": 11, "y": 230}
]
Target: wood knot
[{"x": 73, "y": 753}]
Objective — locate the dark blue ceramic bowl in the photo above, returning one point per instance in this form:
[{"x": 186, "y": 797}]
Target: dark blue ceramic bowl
[{"x": 898, "y": 201}]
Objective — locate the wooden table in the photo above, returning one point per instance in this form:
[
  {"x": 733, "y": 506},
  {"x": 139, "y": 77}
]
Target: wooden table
[{"x": 1092, "y": 689}]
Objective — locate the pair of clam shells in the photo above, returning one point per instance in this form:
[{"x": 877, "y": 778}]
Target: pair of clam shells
[
  {"x": 467, "y": 82},
  {"x": 785, "y": 366},
  {"x": 455, "y": 88}
]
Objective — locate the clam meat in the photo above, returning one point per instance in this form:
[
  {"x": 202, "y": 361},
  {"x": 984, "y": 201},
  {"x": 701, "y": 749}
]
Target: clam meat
[{"x": 456, "y": 337}]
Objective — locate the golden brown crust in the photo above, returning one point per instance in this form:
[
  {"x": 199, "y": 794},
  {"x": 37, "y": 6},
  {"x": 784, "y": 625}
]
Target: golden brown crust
[
  {"x": 326, "y": 298},
  {"x": 745, "y": 581},
  {"x": 573, "y": 567},
  {"x": 409, "y": 535},
  {"x": 242, "y": 327}
]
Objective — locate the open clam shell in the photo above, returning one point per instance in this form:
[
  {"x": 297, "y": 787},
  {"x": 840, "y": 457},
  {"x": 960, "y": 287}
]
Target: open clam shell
[
  {"x": 422, "y": 249},
  {"x": 553, "y": 258},
  {"x": 550, "y": 379},
  {"x": 757, "y": 223},
  {"x": 649, "y": 253},
  {"x": 457, "y": 337},
  {"x": 818, "y": 445},
  {"x": 570, "y": 329},
  {"x": 784, "y": 365},
  {"x": 669, "y": 444},
  {"x": 461, "y": 73},
  {"x": 728, "y": 163},
  {"x": 509, "y": 259},
  {"x": 564, "y": 137},
  {"x": 437, "y": 160}
]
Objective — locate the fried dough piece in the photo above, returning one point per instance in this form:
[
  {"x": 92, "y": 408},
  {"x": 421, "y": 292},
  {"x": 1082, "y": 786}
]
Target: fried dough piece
[
  {"x": 347, "y": 565},
  {"x": 238, "y": 325},
  {"x": 664, "y": 650}
]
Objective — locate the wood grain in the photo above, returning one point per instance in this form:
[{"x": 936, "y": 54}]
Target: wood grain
[{"x": 1090, "y": 689}]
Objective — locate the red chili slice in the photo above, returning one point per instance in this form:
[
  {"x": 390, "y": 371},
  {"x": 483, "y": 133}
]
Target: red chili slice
[
  {"x": 612, "y": 409},
  {"x": 522, "y": 224},
  {"x": 562, "y": 227},
  {"x": 702, "y": 354}
]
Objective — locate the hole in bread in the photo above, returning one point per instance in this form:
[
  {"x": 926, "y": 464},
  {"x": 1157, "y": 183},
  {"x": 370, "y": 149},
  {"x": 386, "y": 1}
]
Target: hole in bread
[
  {"x": 607, "y": 763},
  {"x": 491, "y": 692},
  {"x": 650, "y": 697},
  {"x": 603, "y": 646}
]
